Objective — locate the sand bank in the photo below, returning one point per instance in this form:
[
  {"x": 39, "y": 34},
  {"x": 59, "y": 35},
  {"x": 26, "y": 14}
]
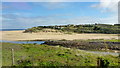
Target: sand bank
[{"x": 19, "y": 35}]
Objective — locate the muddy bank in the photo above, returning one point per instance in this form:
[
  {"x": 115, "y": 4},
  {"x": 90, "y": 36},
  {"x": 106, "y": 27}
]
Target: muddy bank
[{"x": 85, "y": 45}]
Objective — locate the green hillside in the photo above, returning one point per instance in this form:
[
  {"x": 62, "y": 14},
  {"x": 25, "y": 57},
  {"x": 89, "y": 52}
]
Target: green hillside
[{"x": 86, "y": 28}]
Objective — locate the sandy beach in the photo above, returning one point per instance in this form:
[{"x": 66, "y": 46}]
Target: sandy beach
[{"x": 19, "y": 35}]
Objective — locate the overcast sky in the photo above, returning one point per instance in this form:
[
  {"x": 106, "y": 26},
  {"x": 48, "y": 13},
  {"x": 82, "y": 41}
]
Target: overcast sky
[{"x": 20, "y": 15}]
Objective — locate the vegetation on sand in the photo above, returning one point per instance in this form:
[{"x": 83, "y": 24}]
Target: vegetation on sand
[{"x": 87, "y": 28}]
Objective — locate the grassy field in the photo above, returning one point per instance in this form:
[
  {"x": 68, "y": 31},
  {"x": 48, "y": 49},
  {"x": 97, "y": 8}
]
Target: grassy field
[{"x": 44, "y": 55}]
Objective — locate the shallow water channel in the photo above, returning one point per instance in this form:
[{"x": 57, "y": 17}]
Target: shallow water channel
[
  {"x": 41, "y": 42},
  {"x": 24, "y": 42}
]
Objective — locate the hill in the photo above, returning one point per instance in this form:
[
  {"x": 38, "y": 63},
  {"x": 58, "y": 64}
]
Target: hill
[{"x": 86, "y": 28}]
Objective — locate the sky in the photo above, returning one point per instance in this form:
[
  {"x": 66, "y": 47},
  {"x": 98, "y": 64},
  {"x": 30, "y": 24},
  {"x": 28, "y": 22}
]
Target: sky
[{"x": 22, "y": 15}]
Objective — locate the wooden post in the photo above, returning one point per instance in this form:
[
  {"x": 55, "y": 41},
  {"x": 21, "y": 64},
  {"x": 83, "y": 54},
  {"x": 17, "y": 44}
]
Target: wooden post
[
  {"x": 119, "y": 60},
  {"x": 98, "y": 62},
  {"x": 12, "y": 52}
]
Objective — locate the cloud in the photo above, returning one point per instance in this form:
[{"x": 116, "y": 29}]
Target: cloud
[
  {"x": 27, "y": 6},
  {"x": 52, "y": 5},
  {"x": 107, "y": 5},
  {"x": 34, "y": 0},
  {"x": 16, "y": 6},
  {"x": 10, "y": 21},
  {"x": 50, "y": 0}
]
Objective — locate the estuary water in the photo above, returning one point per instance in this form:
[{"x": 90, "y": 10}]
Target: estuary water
[
  {"x": 10, "y": 29},
  {"x": 23, "y": 42}
]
